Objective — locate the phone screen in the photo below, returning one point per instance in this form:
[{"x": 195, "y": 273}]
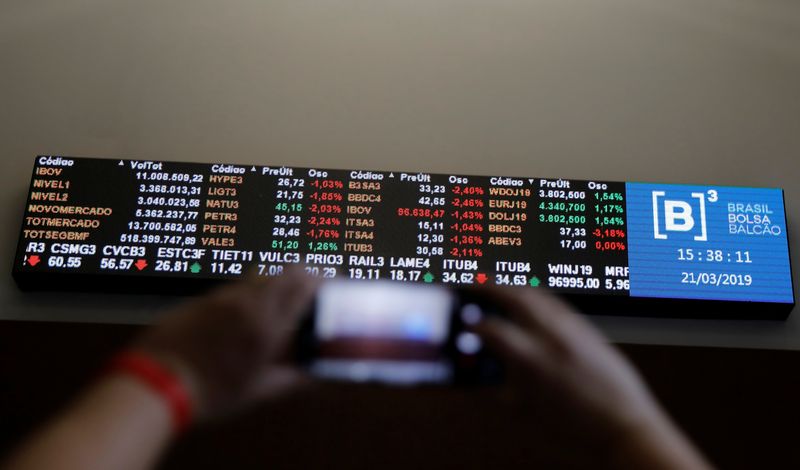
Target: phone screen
[{"x": 393, "y": 333}]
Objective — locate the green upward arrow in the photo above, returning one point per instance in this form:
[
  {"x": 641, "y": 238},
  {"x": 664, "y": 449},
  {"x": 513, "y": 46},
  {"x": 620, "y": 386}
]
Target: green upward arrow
[
  {"x": 534, "y": 282},
  {"x": 428, "y": 277},
  {"x": 195, "y": 268}
]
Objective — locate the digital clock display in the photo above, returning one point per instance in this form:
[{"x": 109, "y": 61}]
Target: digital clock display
[
  {"x": 611, "y": 247},
  {"x": 700, "y": 242}
]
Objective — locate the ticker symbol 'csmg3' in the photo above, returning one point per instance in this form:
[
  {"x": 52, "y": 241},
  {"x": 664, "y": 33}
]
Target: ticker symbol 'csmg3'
[{"x": 681, "y": 215}]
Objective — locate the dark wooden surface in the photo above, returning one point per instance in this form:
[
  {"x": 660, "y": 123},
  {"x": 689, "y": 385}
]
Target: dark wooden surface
[{"x": 742, "y": 407}]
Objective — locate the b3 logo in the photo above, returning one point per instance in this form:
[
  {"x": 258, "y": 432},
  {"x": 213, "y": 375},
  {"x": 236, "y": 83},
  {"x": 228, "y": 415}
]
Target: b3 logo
[{"x": 678, "y": 215}]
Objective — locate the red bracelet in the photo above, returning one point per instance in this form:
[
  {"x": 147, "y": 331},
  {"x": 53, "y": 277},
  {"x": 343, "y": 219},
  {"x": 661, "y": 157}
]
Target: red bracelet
[{"x": 158, "y": 378}]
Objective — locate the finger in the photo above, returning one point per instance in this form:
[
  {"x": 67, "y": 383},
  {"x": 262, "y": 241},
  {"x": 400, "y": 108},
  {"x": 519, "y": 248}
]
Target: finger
[
  {"x": 522, "y": 309},
  {"x": 270, "y": 293},
  {"x": 277, "y": 381},
  {"x": 513, "y": 343},
  {"x": 281, "y": 306},
  {"x": 550, "y": 316},
  {"x": 566, "y": 322},
  {"x": 297, "y": 294}
]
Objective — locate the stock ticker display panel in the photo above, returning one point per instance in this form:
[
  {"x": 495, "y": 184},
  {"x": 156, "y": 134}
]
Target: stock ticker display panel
[{"x": 610, "y": 247}]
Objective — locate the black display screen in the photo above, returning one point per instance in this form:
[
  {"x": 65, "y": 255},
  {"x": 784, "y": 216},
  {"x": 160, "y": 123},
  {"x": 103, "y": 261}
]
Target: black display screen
[{"x": 612, "y": 247}]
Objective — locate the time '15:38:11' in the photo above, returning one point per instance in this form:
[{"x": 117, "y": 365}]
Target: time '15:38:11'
[{"x": 718, "y": 256}]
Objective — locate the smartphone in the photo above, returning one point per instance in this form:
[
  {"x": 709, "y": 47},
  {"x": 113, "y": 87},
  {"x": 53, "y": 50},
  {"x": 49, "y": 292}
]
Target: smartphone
[{"x": 397, "y": 334}]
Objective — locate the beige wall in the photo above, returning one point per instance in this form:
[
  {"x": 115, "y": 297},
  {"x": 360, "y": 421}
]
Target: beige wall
[{"x": 701, "y": 91}]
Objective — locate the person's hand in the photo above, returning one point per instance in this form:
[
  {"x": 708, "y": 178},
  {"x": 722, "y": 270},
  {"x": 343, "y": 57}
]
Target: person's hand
[
  {"x": 226, "y": 348},
  {"x": 579, "y": 386},
  {"x": 231, "y": 346}
]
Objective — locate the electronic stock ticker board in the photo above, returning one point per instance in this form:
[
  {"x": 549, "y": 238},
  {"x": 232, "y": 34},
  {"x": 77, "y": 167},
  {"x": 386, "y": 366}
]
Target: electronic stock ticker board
[{"x": 610, "y": 247}]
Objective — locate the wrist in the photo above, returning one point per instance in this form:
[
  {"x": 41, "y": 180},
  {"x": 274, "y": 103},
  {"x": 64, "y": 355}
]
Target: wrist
[
  {"x": 184, "y": 373},
  {"x": 165, "y": 377}
]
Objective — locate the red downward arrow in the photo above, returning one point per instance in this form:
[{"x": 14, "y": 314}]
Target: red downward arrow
[
  {"x": 481, "y": 278},
  {"x": 140, "y": 264},
  {"x": 33, "y": 260}
]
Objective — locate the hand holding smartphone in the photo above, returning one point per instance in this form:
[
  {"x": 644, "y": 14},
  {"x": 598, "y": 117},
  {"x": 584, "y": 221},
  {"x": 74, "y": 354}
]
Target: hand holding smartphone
[{"x": 396, "y": 334}]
